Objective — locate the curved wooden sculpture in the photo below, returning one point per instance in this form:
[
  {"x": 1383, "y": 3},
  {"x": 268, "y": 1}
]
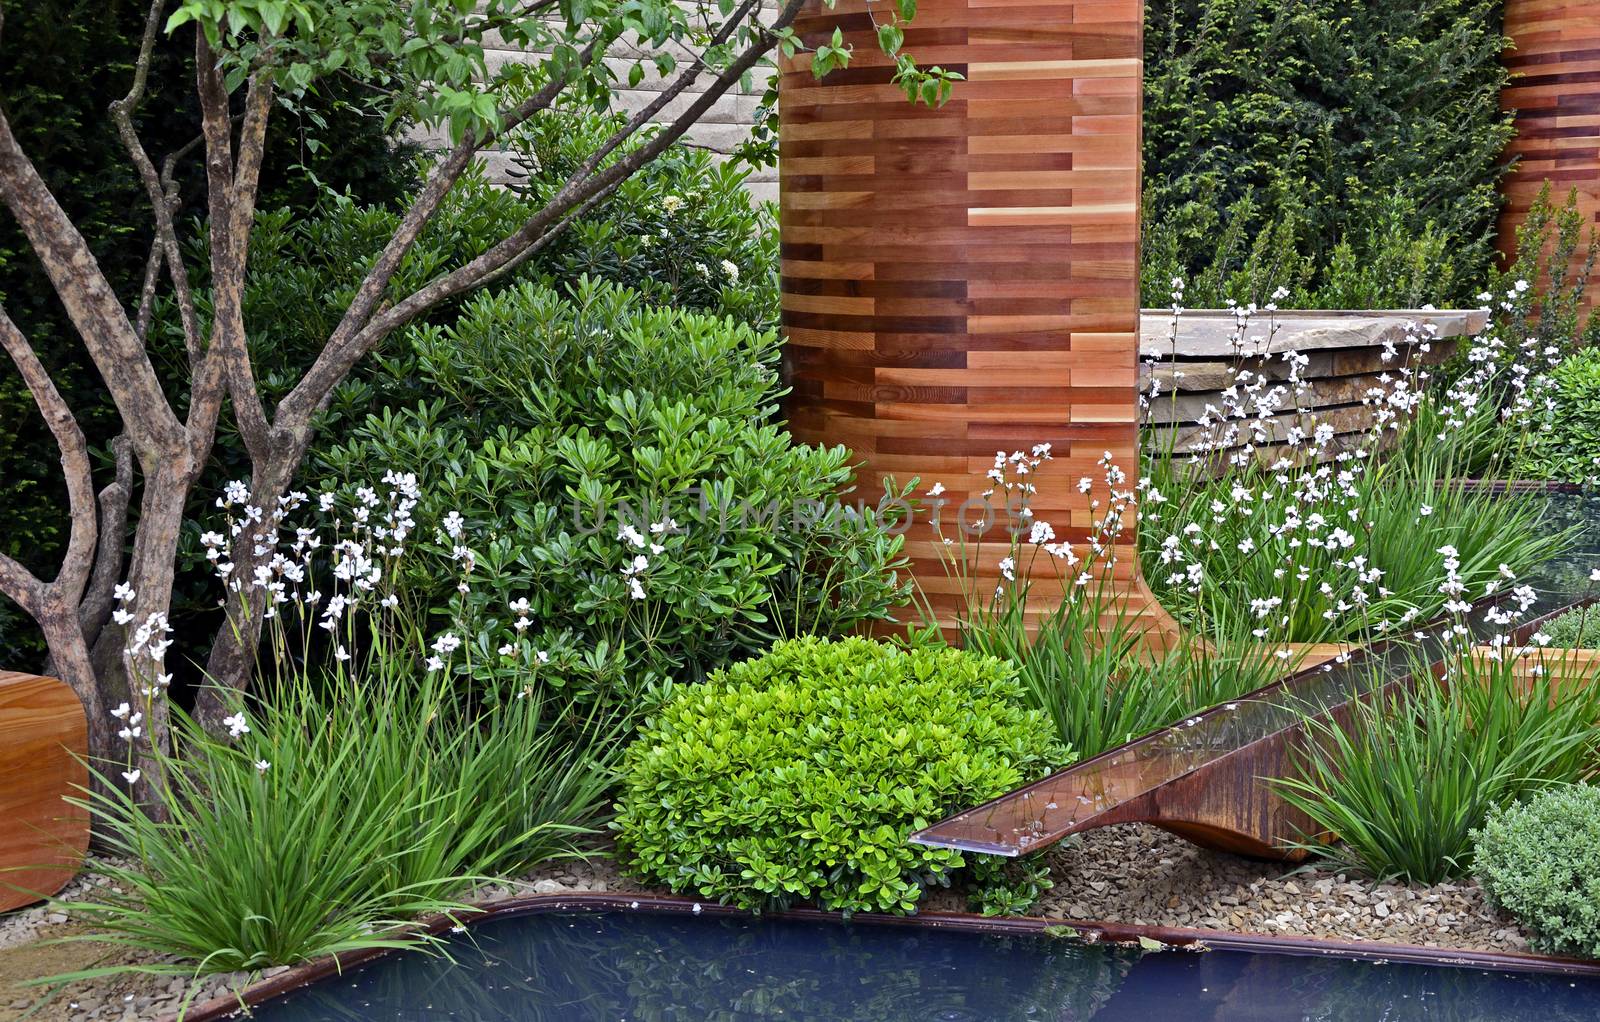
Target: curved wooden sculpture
[
  {"x": 1555, "y": 90},
  {"x": 43, "y": 739},
  {"x": 965, "y": 280}
]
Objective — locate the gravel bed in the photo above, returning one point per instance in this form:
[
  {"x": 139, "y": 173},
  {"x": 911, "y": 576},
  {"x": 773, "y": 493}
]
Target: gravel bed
[
  {"x": 1131, "y": 874},
  {"x": 1143, "y": 875}
]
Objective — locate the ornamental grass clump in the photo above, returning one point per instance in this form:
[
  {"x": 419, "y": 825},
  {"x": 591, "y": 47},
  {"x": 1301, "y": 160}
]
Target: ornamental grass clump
[
  {"x": 1418, "y": 768},
  {"x": 378, "y": 775},
  {"x": 1540, "y": 861},
  {"x": 1266, "y": 520},
  {"x": 798, "y": 776},
  {"x": 1082, "y": 658}
]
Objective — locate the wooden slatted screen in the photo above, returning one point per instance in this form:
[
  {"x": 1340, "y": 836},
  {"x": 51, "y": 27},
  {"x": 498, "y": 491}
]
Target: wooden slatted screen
[
  {"x": 1555, "y": 90},
  {"x": 965, "y": 280}
]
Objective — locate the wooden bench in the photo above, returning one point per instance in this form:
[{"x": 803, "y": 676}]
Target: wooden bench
[{"x": 44, "y": 742}]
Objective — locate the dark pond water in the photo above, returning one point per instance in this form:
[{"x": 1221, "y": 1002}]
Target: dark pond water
[
  {"x": 1567, "y": 577},
  {"x": 649, "y": 967}
]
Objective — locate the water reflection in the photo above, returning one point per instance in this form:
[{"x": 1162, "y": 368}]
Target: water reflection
[{"x": 621, "y": 967}]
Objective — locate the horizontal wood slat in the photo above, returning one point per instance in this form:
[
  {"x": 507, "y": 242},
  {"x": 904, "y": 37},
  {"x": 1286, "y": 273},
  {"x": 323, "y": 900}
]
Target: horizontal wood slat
[
  {"x": 962, "y": 281},
  {"x": 43, "y": 739},
  {"x": 1555, "y": 89}
]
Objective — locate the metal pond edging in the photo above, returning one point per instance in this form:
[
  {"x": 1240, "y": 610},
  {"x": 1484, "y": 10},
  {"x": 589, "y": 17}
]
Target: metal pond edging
[{"x": 300, "y": 976}]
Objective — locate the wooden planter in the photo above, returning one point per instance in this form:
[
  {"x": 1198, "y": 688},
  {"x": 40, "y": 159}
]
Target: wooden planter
[
  {"x": 1555, "y": 90},
  {"x": 43, "y": 741},
  {"x": 965, "y": 280},
  {"x": 1562, "y": 666}
]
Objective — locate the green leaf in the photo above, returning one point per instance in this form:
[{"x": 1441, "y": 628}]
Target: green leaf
[{"x": 890, "y": 38}]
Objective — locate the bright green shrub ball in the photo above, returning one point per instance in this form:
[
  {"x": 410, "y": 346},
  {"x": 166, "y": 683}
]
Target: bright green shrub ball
[
  {"x": 799, "y": 775},
  {"x": 1540, "y": 861}
]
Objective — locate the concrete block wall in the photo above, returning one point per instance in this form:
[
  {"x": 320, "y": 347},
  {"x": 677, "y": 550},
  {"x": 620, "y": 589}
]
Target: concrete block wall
[{"x": 722, "y": 128}]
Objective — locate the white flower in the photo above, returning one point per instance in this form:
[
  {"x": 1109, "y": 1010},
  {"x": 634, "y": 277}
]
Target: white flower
[
  {"x": 236, "y": 725},
  {"x": 730, "y": 269},
  {"x": 261, "y": 766},
  {"x": 936, "y": 489},
  {"x": 671, "y": 203},
  {"x": 131, "y": 776},
  {"x": 1041, "y": 534},
  {"x": 446, "y": 644},
  {"x": 542, "y": 657},
  {"x": 452, "y": 524},
  {"x": 124, "y": 592},
  {"x": 1594, "y": 574},
  {"x": 507, "y": 649},
  {"x": 121, "y": 711},
  {"x": 1008, "y": 568},
  {"x": 121, "y": 617},
  {"x": 341, "y": 654},
  {"x": 631, "y": 535},
  {"x": 1425, "y": 510},
  {"x": 434, "y": 664}
]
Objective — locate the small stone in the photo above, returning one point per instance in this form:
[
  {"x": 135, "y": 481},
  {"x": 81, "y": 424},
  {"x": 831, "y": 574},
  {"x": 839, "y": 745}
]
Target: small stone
[{"x": 548, "y": 886}]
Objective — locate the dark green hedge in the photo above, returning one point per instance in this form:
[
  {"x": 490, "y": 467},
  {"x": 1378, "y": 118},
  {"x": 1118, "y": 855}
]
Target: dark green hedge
[{"x": 1348, "y": 150}]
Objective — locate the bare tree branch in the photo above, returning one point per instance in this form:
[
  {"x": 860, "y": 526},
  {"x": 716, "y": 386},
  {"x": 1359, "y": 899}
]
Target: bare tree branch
[
  {"x": 95, "y": 609},
  {"x": 232, "y": 186},
  {"x": 159, "y": 195},
  {"x": 79, "y": 558},
  {"x": 300, "y": 403},
  {"x": 147, "y": 291},
  {"x": 644, "y": 115},
  {"x": 90, "y": 301},
  {"x": 336, "y": 360}
]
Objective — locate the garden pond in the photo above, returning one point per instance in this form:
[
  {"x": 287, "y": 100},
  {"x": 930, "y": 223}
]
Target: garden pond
[{"x": 617, "y": 966}]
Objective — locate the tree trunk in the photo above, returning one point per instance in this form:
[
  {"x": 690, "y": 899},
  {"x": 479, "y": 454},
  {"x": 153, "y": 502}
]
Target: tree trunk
[{"x": 124, "y": 675}]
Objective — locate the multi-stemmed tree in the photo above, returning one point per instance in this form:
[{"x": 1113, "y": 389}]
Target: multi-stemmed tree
[{"x": 425, "y": 59}]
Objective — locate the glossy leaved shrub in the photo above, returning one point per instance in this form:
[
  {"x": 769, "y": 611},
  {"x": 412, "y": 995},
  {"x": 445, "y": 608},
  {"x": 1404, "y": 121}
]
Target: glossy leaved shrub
[
  {"x": 622, "y": 463},
  {"x": 1567, "y": 448},
  {"x": 798, "y": 776},
  {"x": 1540, "y": 861}
]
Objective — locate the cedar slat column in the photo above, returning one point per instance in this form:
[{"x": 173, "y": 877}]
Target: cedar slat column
[
  {"x": 1555, "y": 90},
  {"x": 965, "y": 280}
]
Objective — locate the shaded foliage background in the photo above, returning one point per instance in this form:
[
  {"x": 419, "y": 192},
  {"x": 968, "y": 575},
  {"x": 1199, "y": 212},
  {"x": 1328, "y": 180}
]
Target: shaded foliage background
[{"x": 1348, "y": 150}]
